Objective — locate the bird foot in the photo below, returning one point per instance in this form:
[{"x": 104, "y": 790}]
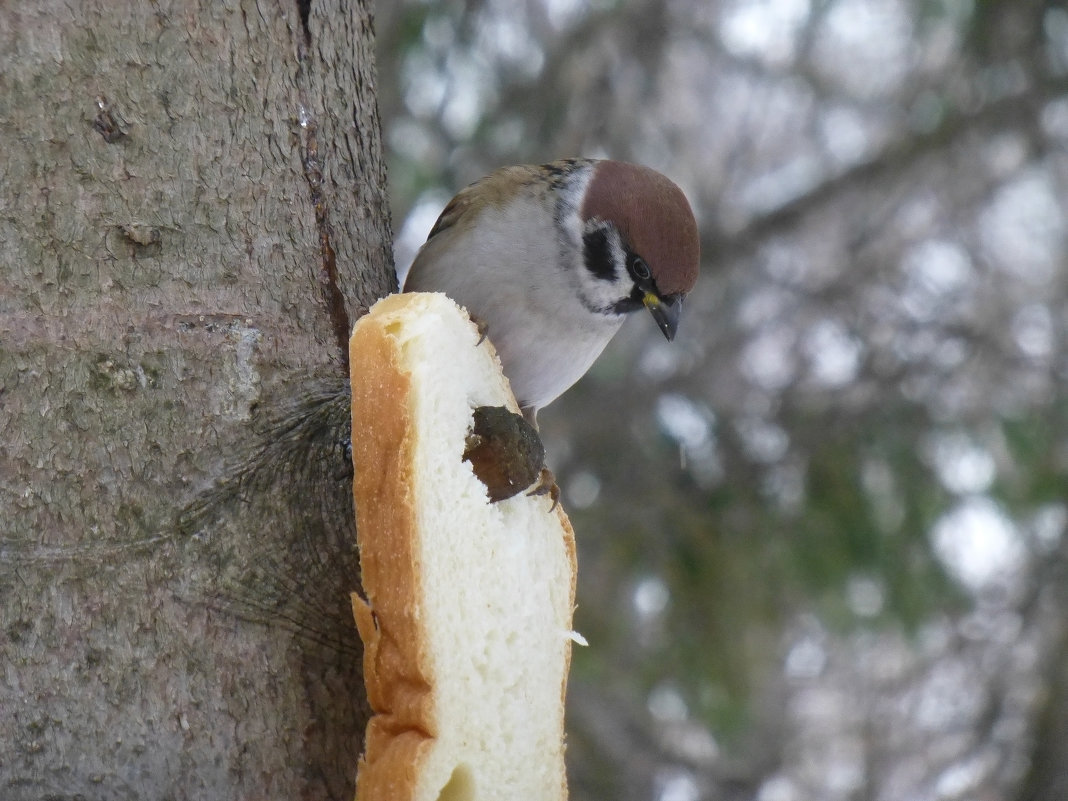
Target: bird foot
[
  {"x": 546, "y": 485},
  {"x": 483, "y": 330}
]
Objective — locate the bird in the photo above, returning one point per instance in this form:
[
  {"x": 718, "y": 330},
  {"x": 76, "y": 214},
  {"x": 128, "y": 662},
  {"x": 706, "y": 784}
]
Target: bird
[{"x": 550, "y": 259}]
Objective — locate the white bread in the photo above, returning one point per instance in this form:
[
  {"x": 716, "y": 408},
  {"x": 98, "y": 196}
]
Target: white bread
[{"x": 467, "y": 619}]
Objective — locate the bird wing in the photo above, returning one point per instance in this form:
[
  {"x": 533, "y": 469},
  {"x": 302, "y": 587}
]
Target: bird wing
[{"x": 494, "y": 190}]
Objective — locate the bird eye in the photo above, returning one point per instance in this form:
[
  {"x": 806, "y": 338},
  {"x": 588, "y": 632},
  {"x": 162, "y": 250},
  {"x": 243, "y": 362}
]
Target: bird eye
[{"x": 640, "y": 270}]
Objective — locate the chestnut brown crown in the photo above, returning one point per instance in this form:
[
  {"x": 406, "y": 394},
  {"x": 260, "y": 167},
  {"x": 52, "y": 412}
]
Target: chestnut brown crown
[{"x": 652, "y": 216}]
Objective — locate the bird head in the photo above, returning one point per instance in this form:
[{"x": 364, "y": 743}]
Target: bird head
[{"x": 640, "y": 243}]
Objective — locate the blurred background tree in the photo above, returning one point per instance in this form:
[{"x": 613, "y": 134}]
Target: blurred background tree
[{"x": 822, "y": 535}]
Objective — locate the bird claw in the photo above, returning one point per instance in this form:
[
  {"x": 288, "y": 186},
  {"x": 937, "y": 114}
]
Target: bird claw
[
  {"x": 483, "y": 330},
  {"x": 546, "y": 485}
]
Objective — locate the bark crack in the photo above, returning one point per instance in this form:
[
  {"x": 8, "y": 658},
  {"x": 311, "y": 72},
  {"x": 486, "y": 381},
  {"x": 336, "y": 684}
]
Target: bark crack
[
  {"x": 304, "y": 8},
  {"x": 329, "y": 285}
]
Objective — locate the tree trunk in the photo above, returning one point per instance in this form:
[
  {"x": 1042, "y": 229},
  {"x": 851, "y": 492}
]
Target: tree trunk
[{"x": 192, "y": 213}]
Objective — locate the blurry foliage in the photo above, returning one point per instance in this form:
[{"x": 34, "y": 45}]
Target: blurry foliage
[{"x": 821, "y": 534}]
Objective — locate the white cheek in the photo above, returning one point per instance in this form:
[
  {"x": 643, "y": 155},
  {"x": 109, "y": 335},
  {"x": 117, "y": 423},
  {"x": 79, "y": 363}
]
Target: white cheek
[{"x": 599, "y": 293}]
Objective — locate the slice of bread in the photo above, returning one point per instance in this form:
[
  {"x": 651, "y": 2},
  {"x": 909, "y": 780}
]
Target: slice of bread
[{"x": 467, "y": 619}]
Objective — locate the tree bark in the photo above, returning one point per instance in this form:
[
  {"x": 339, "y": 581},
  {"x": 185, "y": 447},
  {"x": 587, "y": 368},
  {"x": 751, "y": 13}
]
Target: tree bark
[{"x": 192, "y": 213}]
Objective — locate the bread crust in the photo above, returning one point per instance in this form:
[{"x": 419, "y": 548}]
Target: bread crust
[
  {"x": 392, "y": 621},
  {"x": 396, "y": 672}
]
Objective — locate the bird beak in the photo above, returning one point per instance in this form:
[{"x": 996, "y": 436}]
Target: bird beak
[{"x": 666, "y": 312}]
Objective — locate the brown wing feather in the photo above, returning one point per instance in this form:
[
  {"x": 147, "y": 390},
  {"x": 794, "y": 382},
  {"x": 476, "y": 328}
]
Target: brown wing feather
[{"x": 496, "y": 188}]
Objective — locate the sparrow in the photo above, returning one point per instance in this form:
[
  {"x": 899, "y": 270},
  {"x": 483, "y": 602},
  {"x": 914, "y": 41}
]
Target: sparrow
[{"x": 550, "y": 259}]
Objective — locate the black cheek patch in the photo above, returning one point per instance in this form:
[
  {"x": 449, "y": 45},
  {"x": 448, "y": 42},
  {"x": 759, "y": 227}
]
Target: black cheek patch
[{"x": 598, "y": 254}]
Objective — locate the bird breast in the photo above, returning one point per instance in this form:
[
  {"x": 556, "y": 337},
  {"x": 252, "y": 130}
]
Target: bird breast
[{"x": 512, "y": 268}]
